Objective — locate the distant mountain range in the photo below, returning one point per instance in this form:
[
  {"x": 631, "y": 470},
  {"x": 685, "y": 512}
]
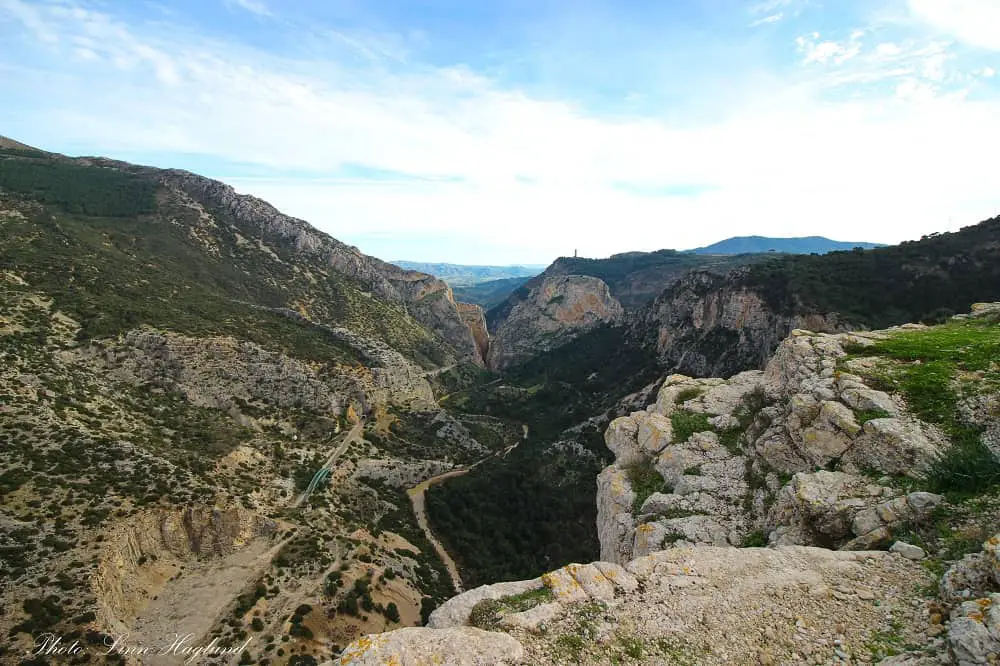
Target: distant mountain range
[
  {"x": 802, "y": 245},
  {"x": 458, "y": 275}
]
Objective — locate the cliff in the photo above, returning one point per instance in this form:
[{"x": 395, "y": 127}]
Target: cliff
[
  {"x": 555, "y": 311},
  {"x": 837, "y": 457}
]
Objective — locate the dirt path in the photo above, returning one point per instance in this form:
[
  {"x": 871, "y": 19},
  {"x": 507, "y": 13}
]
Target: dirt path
[
  {"x": 417, "y": 498},
  {"x": 354, "y": 435},
  {"x": 416, "y": 494}
]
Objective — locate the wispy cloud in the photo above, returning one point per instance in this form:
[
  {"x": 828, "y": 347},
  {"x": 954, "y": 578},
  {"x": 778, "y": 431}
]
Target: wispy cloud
[
  {"x": 773, "y": 18},
  {"x": 253, "y": 6},
  {"x": 844, "y": 142}
]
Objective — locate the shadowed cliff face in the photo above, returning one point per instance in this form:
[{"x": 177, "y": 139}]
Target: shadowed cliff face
[
  {"x": 708, "y": 325},
  {"x": 475, "y": 318},
  {"x": 554, "y": 312}
]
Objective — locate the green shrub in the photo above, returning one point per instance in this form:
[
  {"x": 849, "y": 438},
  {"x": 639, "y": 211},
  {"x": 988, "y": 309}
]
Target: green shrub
[
  {"x": 645, "y": 481},
  {"x": 756, "y": 539},
  {"x": 686, "y": 424}
]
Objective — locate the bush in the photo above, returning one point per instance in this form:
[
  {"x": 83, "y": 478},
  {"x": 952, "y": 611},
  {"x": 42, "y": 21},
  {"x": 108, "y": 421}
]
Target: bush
[
  {"x": 645, "y": 481},
  {"x": 392, "y": 612},
  {"x": 686, "y": 424}
]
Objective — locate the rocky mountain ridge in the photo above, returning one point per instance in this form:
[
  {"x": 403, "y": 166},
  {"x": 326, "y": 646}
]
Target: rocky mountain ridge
[{"x": 428, "y": 299}]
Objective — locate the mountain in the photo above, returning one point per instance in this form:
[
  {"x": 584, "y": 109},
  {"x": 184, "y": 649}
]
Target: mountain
[
  {"x": 574, "y": 295},
  {"x": 208, "y": 405},
  {"x": 491, "y": 293},
  {"x": 458, "y": 275},
  {"x": 705, "y": 324},
  {"x": 759, "y": 244},
  {"x": 709, "y": 324}
]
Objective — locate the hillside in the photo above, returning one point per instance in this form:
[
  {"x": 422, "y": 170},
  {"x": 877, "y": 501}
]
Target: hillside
[
  {"x": 210, "y": 406},
  {"x": 707, "y": 324},
  {"x": 575, "y": 295},
  {"x": 764, "y": 244},
  {"x": 460, "y": 275}
]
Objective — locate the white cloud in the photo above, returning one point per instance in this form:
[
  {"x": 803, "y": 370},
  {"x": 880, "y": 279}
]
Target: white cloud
[
  {"x": 828, "y": 52},
  {"x": 975, "y": 22},
  {"x": 773, "y": 18},
  {"x": 518, "y": 175},
  {"x": 253, "y": 6}
]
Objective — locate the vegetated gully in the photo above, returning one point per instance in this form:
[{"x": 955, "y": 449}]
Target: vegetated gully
[{"x": 417, "y": 499}]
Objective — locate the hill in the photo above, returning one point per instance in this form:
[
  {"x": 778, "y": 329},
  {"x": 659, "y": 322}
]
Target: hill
[
  {"x": 763, "y": 244},
  {"x": 459, "y": 275},
  {"x": 720, "y": 325}
]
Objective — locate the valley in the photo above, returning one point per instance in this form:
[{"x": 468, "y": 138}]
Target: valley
[{"x": 220, "y": 421}]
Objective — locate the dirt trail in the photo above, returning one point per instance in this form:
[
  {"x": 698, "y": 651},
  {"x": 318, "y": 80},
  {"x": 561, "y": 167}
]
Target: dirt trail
[
  {"x": 418, "y": 500},
  {"x": 416, "y": 494},
  {"x": 354, "y": 435}
]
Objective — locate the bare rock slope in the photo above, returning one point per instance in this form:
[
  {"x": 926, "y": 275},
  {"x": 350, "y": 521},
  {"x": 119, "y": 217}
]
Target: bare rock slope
[{"x": 556, "y": 310}]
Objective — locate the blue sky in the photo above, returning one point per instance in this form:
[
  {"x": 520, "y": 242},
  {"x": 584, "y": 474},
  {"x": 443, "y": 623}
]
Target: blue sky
[{"x": 515, "y": 131}]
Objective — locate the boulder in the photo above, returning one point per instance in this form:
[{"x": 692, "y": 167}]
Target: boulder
[
  {"x": 455, "y": 612},
  {"x": 654, "y": 434},
  {"x": 907, "y": 550},
  {"x": 893, "y": 446},
  {"x": 974, "y": 633}
]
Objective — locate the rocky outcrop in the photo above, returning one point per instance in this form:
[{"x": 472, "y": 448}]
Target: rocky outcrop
[
  {"x": 703, "y": 605},
  {"x": 709, "y": 325},
  {"x": 475, "y": 318},
  {"x": 972, "y": 587},
  {"x": 781, "y": 452},
  {"x": 141, "y": 556},
  {"x": 230, "y": 374},
  {"x": 554, "y": 312}
]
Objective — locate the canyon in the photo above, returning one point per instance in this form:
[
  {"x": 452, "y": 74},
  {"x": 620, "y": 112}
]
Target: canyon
[{"x": 219, "y": 419}]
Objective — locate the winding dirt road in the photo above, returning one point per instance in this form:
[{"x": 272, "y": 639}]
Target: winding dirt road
[{"x": 417, "y": 499}]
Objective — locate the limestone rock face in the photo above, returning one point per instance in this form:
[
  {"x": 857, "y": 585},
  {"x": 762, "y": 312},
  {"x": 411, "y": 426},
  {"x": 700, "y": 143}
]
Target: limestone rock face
[
  {"x": 474, "y": 318},
  {"x": 974, "y": 633},
  {"x": 555, "y": 311},
  {"x": 455, "y": 612},
  {"x": 706, "y": 326},
  {"x": 218, "y": 371},
  {"x": 412, "y": 646},
  {"x": 615, "y": 522},
  {"x": 780, "y": 453},
  {"x": 164, "y": 536},
  {"x": 678, "y": 603}
]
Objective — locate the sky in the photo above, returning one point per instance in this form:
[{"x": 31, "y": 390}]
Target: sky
[{"x": 516, "y": 131}]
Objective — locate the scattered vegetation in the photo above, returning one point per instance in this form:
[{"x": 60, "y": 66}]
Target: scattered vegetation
[
  {"x": 687, "y": 423},
  {"x": 935, "y": 370},
  {"x": 645, "y": 481},
  {"x": 926, "y": 280},
  {"x": 489, "y": 613}
]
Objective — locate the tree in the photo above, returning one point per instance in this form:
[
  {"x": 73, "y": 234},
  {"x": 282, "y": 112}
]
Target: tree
[{"x": 392, "y": 612}]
